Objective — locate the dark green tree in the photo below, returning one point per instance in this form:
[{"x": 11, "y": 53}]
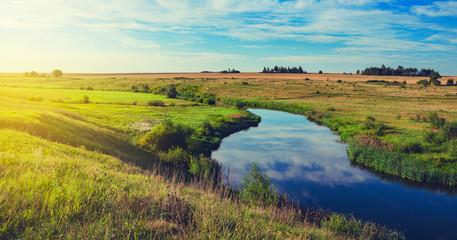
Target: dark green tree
[
  {"x": 434, "y": 78},
  {"x": 256, "y": 186},
  {"x": 57, "y": 73},
  {"x": 171, "y": 92}
]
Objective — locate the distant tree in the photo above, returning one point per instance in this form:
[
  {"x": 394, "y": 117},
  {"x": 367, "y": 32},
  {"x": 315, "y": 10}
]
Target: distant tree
[
  {"x": 145, "y": 88},
  {"x": 282, "y": 69},
  {"x": 400, "y": 71},
  {"x": 450, "y": 82},
  {"x": 434, "y": 78},
  {"x": 320, "y": 71},
  {"x": 358, "y": 71},
  {"x": 171, "y": 92},
  {"x": 57, "y": 73},
  {"x": 230, "y": 71},
  {"x": 33, "y": 74}
]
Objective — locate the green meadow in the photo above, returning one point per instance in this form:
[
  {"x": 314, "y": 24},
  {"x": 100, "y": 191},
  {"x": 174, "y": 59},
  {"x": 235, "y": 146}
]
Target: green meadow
[{"x": 77, "y": 163}]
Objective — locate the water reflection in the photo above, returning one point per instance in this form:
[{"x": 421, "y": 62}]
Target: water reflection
[
  {"x": 290, "y": 149},
  {"x": 306, "y": 162}
]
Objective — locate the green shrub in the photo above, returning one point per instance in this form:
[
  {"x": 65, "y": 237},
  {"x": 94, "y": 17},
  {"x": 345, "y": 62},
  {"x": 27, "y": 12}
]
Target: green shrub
[
  {"x": 423, "y": 82},
  {"x": 85, "y": 99},
  {"x": 370, "y": 118},
  {"x": 450, "y": 130},
  {"x": 452, "y": 148},
  {"x": 177, "y": 156},
  {"x": 331, "y": 109},
  {"x": 435, "y": 120},
  {"x": 410, "y": 147},
  {"x": 157, "y": 103},
  {"x": 239, "y": 104},
  {"x": 256, "y": 187},
  {"x": 342, "y": 225},
  {"x": 171, "y": 92},
  {"x": 209, "y": 101},
  {"x": 206, "y": 129},
  {"x": 368, "y": 124},
  {"x": 165, "y": 136},
  {"x": 354, "y": 228},
  {"x": 379, "y": 129},
  {"x": 145, "y": 88},
  {"x": 204, "y": 167},
  {"x": 339, "y": 81},
  {"x": 134, "y": 88}
]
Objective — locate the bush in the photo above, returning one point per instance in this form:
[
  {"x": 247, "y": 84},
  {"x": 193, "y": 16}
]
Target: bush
[
  {"x": 204, "y": 167},
  {"x": 85, "y": 99},
  {"x": 177, "y": 156},
  {"x": 89, "y": 88},
  {"x": 450, "y": 130},
  {"x": 239, "y": 104},
  {"x": 157, "y": 103},
  {"x": 171, "y": 92},
  {"x": 209, "y": 101},
  {"x": 379, "y": 129},
  {"x": 370, "y": 118},
  {"x": 435, "y": 120},
  {"x": 57, "y": 73},
  {"x": 256, "y": 187},
  {"x": 145, "y": 88},
  {"x": 165, "y": 136},
  {"x": 206, "y": 129},
  {"x": 354, "y": 228},
  {"x": 340, "y": 224},
  {"x": 450, "y": 82},
  {"x": 339, "y": 81},
  {"x": 423, "y": 82},
  {"x": 134, "y": 88},
  {"x": 331, "y": 109},
  {"x": 410, "y": 147},
  {"x": 452, "y": 148}
]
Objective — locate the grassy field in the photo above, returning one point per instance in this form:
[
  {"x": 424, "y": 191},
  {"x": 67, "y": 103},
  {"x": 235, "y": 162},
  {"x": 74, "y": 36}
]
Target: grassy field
[{"x": 71, "y": 146}]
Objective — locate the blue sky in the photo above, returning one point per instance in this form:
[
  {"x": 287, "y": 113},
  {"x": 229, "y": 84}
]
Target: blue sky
[{"x": 191, "y": 36}]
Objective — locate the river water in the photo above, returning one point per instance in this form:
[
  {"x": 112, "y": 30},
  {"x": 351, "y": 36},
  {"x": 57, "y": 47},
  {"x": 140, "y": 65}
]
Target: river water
[{"x": 307, "y": 162}]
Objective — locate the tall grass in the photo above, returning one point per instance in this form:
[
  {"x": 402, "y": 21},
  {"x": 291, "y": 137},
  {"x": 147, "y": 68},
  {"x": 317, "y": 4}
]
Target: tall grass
[
  {"x": 373, "y": 153},
  {"x": 53, "y": 191}
]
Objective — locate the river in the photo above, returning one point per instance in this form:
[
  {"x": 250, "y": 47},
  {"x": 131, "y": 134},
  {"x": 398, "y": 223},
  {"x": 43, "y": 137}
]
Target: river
[{"x": 307, "y": 162}]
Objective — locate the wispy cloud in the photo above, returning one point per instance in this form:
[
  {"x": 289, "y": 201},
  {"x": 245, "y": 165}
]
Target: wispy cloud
[
  {"x": 158, "y": 26},
  {"x": 437, "y": 9}
]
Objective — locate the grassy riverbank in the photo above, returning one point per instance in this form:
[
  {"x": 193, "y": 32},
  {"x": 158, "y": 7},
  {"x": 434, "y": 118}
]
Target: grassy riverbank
[
  {"x": 72, "y": 166},
  {"x": 395, "y": 111}
]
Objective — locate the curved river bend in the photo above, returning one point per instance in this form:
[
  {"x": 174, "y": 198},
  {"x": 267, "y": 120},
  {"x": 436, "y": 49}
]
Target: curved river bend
[{"x": 305, "y": 161}]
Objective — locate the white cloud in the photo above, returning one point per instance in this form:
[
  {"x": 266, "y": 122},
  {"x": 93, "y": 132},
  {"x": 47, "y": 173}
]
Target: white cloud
[
  {"x": 120, "y": 26},
  {"x": 437, "y": 9}
]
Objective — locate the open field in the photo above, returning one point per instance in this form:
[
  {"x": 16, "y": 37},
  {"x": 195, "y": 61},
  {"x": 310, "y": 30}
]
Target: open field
[
  {"x": 48, "y": 124},
  {"x": 71, "y": 166}
]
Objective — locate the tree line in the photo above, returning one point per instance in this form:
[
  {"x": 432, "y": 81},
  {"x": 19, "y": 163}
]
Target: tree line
[
  {"x": 230, "y": 71},
  {"x": 399, "y": 71},
  {"x": 282, "y": 69}
]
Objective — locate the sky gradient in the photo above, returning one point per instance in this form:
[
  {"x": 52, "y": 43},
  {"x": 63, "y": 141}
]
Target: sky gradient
[{"x": 102, "y": 36}]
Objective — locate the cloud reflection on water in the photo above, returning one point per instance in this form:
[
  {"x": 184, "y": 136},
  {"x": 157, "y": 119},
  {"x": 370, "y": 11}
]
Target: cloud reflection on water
[{"x": 289, "y": 148}]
